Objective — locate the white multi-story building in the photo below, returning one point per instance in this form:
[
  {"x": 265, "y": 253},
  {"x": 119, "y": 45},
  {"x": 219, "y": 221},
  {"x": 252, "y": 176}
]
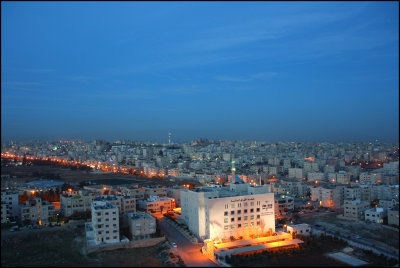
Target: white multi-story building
[
  {"x": 105, "y": 222},
  {"x": 219, "y": 213},
  {"x": 37, "y": 211},
  {"x": 354, "y": 209},
  {"x": 75, "y": 202},
  {"x": 11, "y": 199},
  {"x": 342, "y": 177},
  {"x": 370, "y": 178},
  {"x": 375, "y": 215}
]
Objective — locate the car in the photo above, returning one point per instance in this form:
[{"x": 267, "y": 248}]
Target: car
[{"x": 174, "y": 245}]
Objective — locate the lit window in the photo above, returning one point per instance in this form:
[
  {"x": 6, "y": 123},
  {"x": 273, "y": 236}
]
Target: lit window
[
  {"x": 226, "y": 220},
  {"x": 226, "y": 227},
  {"x": 252, "y": 217},
  {"x": 245, "y": 218},
  {"x": 246, "y": 224},
  {"x": 233, "y": 226},
  {"x": 252, "y": 223}
]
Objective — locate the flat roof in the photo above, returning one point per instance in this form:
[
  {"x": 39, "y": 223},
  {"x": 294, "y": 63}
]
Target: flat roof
[
  {"x": 271, "y": 245},
  {"x": 340, "y": 256}
]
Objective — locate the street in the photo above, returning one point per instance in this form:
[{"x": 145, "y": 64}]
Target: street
[{"x": 190, "y": 253}]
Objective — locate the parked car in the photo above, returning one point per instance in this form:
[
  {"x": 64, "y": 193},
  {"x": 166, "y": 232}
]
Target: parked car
[{"x": 174, "y": 245}]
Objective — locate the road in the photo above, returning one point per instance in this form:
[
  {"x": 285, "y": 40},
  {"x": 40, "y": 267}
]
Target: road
[
  {"x": 378, "y": 249},
  {"x": 189, "y": 252}
]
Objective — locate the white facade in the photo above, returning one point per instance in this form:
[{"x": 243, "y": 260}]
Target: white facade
[
  {"x": 301, "y": 229},
  {"x": 370, "y": 178},
  {"x": 77, "y": 202},
  {"x": 105, "y": 222},
  {"x": 242, "y": 210},
  {"x": 11, "y": 199}
]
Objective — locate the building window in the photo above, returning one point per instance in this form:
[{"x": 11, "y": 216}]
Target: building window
[
  {"x": 246, "y": 224},
  {"x": 258, "y": 223},
  {"x": 115, "y": 237},
  {"x": 245, "y": 218},
  {"x": 258, "y": 216},
  {"x": 252, "y": 223},
  {"x": 252, "y": 217},
  {"x": 245, "y": 204},
  {"x": 226, "y": 220},
  {"x": 239, "y": 225},
  {"x": 251, "y": 203},
  {"x": 258, "y": 209},
  {"x": 226, "y": 227},
  {"x": 239, "y": 212},
  {"x": 233, "y": 226},
  {"x": 239, "y": 218},
  {"x": 245, "y": 211},
  {"x": 252, "y": 210},
  {"x": 232, "y": 205},
  {"x": 232, "y": 212},
  {"x": 232, "y": 219},
  {"x": 226, "y": 213}
]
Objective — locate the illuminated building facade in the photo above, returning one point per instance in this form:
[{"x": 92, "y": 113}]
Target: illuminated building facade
[{"x": 241, "y": 210}]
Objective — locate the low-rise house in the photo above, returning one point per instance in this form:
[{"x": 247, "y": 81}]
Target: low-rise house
[
  {"x": 301, "y": 229},
  {"x": 354, "y": 209},
  {"x": 375, "y": 215}
]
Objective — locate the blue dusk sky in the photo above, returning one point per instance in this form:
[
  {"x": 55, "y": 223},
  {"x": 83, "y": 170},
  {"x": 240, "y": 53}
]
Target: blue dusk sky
[{"x": 267, "y": 71}]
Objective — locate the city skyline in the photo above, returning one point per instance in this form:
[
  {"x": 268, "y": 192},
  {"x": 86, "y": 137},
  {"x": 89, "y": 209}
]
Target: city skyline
[{"x": 266, "y": 71}]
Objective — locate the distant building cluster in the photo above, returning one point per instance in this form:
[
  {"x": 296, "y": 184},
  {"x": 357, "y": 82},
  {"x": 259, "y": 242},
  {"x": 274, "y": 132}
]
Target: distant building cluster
[{"x": 247, "y": 186}]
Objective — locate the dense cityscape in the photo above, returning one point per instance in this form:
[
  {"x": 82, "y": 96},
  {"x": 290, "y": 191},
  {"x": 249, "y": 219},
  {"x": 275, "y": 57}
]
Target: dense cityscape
[
  {"x": 345, "y": 182},
  {"x": 199, "y": 134}
]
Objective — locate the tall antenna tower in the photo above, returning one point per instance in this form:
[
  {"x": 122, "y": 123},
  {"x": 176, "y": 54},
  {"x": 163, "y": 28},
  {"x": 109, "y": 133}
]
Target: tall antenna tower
[{"x": 169, "y": 138}]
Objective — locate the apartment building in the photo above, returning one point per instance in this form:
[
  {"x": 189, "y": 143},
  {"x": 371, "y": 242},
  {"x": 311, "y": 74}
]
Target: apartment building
[
  {"x": 11, "y": 199},
  {"x": 105, "y": 222},
  {"x": 75, "y": 202},
  {"x": 156, "y": 204},
  {"x": 37, "y": 211},
  {"x": 354, "y": 209},
  {"x": 237, "y": 210},
  {"x": 141, "y": 223},
  {"x": 284, "y": 204}
]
